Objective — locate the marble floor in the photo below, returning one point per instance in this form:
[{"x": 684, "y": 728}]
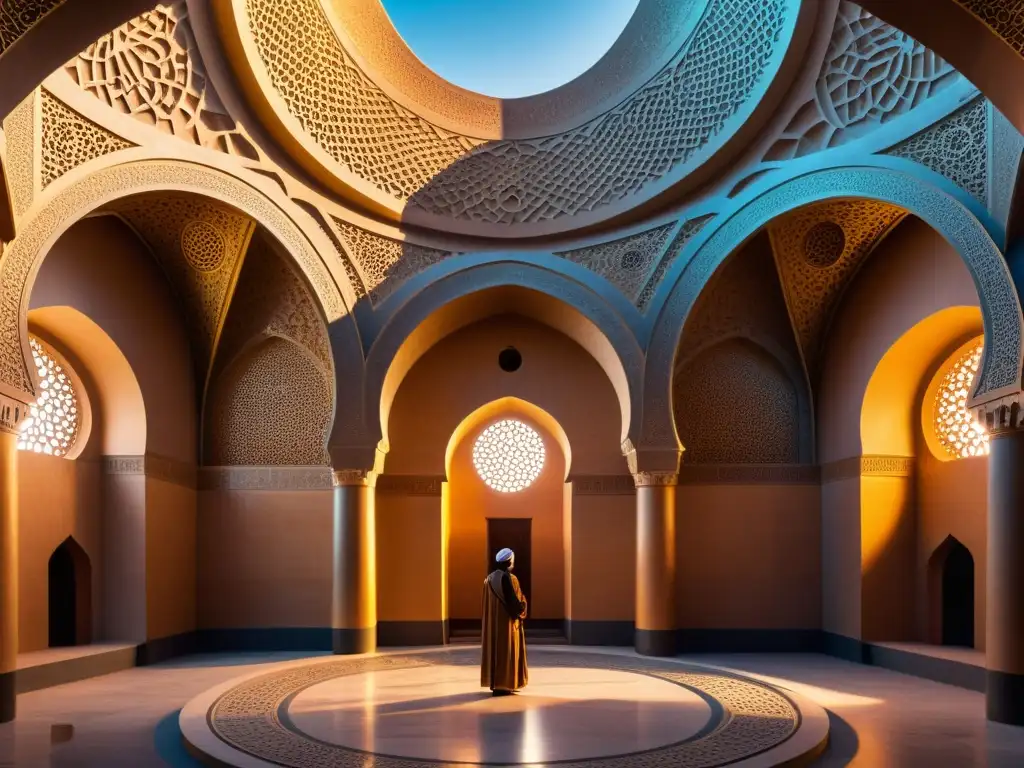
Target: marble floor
[{"x": 879, "y": 719}]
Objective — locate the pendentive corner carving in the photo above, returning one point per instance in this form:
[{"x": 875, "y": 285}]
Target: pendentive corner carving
[
  {"x": 69, "y": 140},
  {"x": 626, "y": 263},
  {"x": 956, "y": 148},
  {"x": 687, "y": 232}
]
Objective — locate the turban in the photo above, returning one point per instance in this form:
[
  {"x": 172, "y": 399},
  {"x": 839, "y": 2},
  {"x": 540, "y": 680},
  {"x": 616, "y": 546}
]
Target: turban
[{"x": 504, "y": 556}]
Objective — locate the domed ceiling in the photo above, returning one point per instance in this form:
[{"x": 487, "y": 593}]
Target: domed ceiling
[{"x": 337, "y": 87}]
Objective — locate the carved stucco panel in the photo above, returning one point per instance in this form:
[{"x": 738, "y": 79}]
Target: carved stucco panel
[
  {"x": 19, "y": 130},
  {"x": 956, "y": 148},
  {"x": 687, "y": 232},
  {"x": 999, "y": 300},
  {"x": 653, "y": 133},
  {"x": 111, "y": 183},
  {"x": 872, "y": 73},
  {"x": 150, "y": 69},
  {"x": 625, "y": 263},
  {"x": 200, "y": 245},
  {"x": 69, "y": 140},
  {"x": 386, "y": 263}
]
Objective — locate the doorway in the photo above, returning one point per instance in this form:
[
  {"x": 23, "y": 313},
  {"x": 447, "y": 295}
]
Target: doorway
[
  {"x": 69, "y": 592},
  {"x": 958, "y": 596},
  {"x": 514, "y": 533}
]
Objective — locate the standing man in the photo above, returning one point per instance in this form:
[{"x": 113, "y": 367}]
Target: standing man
[{"x": 503, "y": 648}]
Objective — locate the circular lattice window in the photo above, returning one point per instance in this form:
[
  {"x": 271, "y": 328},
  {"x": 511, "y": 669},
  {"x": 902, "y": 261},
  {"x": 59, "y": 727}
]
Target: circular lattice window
[
  {"x": 508, "y": 456},
  {"x": 53, "y": 421},
  {"x": 960, "y": 435}
]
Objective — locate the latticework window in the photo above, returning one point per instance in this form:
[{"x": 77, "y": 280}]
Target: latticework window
[
  {"x": 957, "y": 430},
  {"x": 54, "y": 420},
  {"x": 508, "y": 456}
]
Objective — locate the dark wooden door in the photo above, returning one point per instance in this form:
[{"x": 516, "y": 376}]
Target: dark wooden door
[{"x": 514, "y": 533}]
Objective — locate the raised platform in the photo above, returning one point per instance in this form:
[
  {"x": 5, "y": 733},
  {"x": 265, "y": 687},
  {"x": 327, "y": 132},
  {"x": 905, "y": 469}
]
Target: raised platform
[
  {"x": 426, "y": 707},
  {"x": 57, "y": 666}
]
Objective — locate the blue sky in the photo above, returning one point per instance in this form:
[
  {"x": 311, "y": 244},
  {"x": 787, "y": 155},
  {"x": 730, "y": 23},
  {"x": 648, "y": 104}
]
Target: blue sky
[{"x": 509, "y": 48}]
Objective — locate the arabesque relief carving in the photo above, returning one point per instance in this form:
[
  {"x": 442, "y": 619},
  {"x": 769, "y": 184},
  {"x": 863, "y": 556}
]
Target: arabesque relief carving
[
  {"x": 818, "y": 249},
  {"x": 872, "y": 73},
  {"x": 19, "y": 130},
  {"x": 956, "y": 148},
  {"x": 1004, "y": 17},
  {"x": 687, "y": 232},
  {"x": 652, "y": 133},
  {"x": 149, "y": 68}
]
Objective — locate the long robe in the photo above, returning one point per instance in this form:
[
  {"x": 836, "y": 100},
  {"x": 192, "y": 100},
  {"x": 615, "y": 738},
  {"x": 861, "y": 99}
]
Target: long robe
[{"x": 503, "y": 648}]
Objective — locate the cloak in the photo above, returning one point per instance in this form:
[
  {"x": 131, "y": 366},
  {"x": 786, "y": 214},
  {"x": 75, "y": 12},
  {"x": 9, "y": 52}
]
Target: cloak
[{"x": 503, "y": 638}]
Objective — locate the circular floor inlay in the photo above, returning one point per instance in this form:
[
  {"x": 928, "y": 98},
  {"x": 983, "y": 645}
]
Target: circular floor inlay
[
  {"x": 425, "y": 708},
  {"x": 564, "y": 714}
]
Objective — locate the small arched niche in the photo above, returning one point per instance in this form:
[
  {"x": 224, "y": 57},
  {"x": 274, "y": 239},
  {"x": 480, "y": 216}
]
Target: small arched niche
[
  {"x": 506, "y": 467},
  {"x": 951, "y": 595},
  {"x": 69, "y": 591}
]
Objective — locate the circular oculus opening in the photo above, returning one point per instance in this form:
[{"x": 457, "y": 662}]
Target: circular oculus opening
[
  {"x": 508, "y": 456},
  {"x": 510, "y": 360},
  {"x": 510, "y": 51}
]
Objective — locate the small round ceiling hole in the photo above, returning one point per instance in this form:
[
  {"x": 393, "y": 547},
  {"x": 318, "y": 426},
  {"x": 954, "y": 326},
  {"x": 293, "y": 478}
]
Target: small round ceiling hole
[{"x": 509, "y": 359}]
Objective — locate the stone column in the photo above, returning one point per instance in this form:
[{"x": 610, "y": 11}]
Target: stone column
[
  {"x": 655, "y": 563},
  {"x": 12, "y": 413},
  {"x": 1004, "y": 616},
  {"x": 354, "y": 599}
]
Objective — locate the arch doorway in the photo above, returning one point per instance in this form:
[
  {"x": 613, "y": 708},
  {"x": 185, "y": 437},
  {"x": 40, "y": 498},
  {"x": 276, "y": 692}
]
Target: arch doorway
[
  {"x": 951, "y": 575},
  {"x": 70, "y": 591}
]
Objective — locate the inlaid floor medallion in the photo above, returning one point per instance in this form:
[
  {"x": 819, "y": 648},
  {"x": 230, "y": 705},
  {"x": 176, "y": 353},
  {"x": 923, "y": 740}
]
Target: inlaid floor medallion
[{"x": 408, "y": 709}]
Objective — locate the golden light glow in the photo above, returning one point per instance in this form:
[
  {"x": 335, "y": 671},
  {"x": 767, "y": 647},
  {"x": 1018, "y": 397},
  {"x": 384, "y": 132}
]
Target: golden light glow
[
  {"x": 955, "y": 427},
  {"x": 53, "y": 421},
  {"x": 508, "y": 456}
]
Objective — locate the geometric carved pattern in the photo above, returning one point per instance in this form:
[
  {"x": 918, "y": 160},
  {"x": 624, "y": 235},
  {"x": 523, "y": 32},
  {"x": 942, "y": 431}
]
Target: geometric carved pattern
[
  {"x": 750, "y": 717},
  {"x": 818, "y": 249},
  {"x": 734, "y": 404},
  {"x": 54, "y": 419},
  {"x": 957, "y": 148},
  {"x": 271, "y": 300},
  {"x": 607, "y": 160},
  {"x": 272, "y": 407},
  {"x": 385, "y": 263},
  {"x": 18, "y": 16},
  {"x": 688, "y": 231},
  {"x": 625, "y": 263},
  {"x": 955, "y": 426},
  {"x": 19, "y": 127},
  {"x": 872, "y": 73},
  {"x": 69, "y": 140},
  {"x": 199, "y": 244},
  {"x": 147, "y": 68}
]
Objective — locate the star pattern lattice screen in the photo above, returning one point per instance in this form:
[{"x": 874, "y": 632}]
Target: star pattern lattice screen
[
  {"x": 508, "y": 456},
  {"x": 957, "y": 430},
  {"x": 54, "y": 419}
]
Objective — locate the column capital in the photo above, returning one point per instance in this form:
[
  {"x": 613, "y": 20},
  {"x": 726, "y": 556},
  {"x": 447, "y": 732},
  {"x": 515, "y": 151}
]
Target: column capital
[
  {"x": 1001, "y": 417},
  {"x": 12, "y": 414},
  {"x": 342, "y": 478},
  {"x": 652, "y": 460},
  {"x": 655, "y": 479}
]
